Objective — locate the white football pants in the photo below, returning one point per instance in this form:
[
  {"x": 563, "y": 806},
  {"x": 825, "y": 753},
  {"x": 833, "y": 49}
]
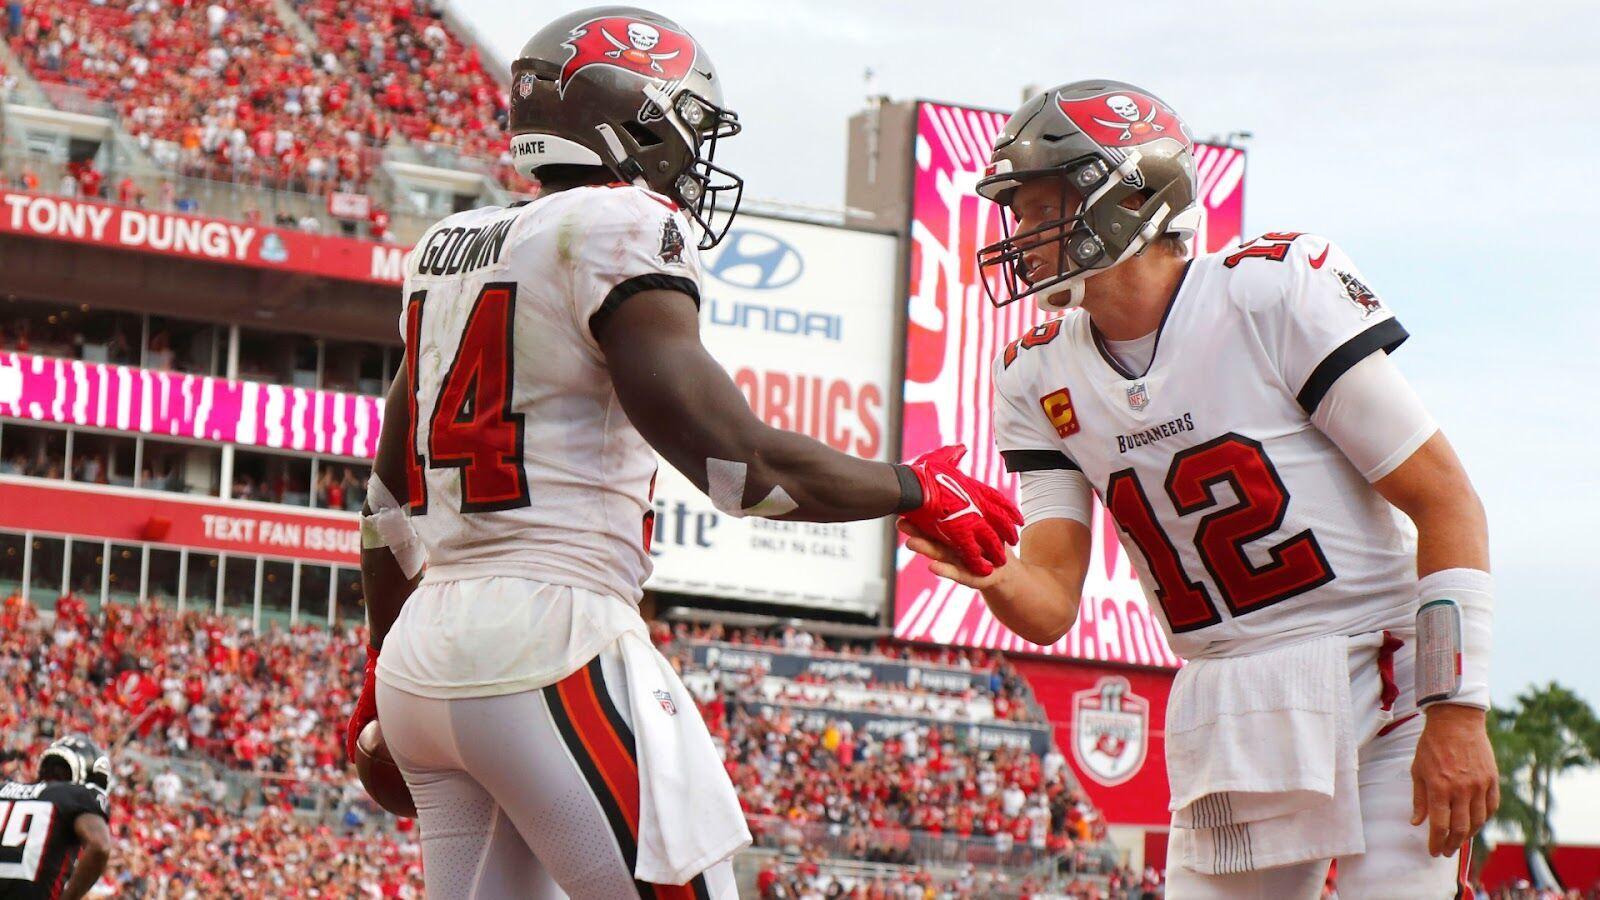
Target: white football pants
[{"x": 527, "y": 795}]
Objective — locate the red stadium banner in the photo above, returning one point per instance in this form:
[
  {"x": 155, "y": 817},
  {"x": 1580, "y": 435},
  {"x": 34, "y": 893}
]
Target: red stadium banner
[
  {"x": 952, "y": 336},
  {"x": 1109, "y": 724},
  {"x": 133, "y": 516},
  {"x": 199, "y": 238}
]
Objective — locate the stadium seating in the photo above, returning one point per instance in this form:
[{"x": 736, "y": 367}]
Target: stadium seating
[
  {"x": 267, "y": 706},
  {"x": 836, "y": 747},
  {"x": 176, "y": 839},
  {"x": 230, "y": 91},
  {"x": 425, "y": 81},
  {"x": 809, "y": 875},
  {"x": 268, "y": 702},
  {"x": 219, "y": 90}
]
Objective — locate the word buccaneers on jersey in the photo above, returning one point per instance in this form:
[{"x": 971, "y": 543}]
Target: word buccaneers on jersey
[
  {"x": 521, "y": 460},
  {"x": 1251, "y": 528},
  {"x": 38, "y": 835}
]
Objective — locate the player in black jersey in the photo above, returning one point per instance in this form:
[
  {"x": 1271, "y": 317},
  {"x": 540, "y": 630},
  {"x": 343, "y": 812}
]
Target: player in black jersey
[{"x": 60, "y": 819}]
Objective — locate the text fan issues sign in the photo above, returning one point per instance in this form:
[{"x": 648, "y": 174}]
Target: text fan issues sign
[{"x": 952, "y": 335}]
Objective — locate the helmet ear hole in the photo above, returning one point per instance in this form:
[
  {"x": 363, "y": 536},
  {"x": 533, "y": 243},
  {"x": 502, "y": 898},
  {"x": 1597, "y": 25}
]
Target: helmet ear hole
[{"x": 641, "y": 135}]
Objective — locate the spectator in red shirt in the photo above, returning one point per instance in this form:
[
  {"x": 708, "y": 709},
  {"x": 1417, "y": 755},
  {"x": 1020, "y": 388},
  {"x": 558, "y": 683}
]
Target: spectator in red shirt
[
  {"x": 378, "y": 224},
  {"x": 129, "y": 193}
]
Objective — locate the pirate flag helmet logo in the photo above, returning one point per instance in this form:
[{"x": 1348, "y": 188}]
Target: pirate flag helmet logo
[
  {"x": 1125, "y": 118},
  {"x": 651, "y": 50}
]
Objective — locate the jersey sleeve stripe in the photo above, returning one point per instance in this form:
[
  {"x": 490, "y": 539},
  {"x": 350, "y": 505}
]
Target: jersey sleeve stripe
[
  {"x": 1037, "y": 461},
  {"x": 1386, "y": 336},
  {"x": 638, "y": 284}
]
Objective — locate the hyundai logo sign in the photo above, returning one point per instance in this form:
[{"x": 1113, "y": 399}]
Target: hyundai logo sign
[{"x": 756, "y": 260}]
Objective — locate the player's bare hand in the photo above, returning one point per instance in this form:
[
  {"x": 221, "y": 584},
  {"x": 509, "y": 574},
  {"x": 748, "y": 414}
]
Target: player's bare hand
[
  {"x": 944, "y": 562},
  {"x": 1455, "y": 785}
]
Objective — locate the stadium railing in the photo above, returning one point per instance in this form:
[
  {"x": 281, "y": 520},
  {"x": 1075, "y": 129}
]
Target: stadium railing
[
  {"x": 900, "y": 846},
  {"x": 244, "y": 793},
  {"x": 169, "y": 190},
  {"x": 73, "y": 99}
]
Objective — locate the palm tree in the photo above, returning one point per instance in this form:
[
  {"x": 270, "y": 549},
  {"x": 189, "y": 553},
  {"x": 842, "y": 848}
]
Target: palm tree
[
  {"x": 1512, "y": 757},
  {"x": 1549, "y": 731}
]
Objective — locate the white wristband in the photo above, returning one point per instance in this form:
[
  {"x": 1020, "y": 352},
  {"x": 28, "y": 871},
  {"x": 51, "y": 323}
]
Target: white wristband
[
  {"x": 1455, "y": 637},
  {"x": 389, "y": 526}
]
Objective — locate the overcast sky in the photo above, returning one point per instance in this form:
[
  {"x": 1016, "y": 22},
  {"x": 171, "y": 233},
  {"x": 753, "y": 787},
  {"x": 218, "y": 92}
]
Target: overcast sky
[{"x": 1449, "y": 147}]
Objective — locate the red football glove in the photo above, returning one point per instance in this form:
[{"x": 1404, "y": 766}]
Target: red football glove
[
  {"x": 972, "y": 519},
  {"x": 366, "y": 706}
]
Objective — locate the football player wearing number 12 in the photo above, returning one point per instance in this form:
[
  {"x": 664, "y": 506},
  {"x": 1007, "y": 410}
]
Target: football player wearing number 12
[
  {"x": 1239, "y": 417},
  {"x": 552, "y": 348}
]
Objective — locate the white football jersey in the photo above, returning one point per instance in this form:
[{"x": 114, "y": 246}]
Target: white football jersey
[
  {"x": 523, "y": 462},
  {"x": 1247, "y": 526}
]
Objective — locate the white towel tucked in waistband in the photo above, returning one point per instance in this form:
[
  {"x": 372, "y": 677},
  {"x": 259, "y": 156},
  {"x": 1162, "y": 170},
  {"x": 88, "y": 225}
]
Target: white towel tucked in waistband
[
  {"x": 1261, "y": 755},
  {"x": 689, "y": 815}
]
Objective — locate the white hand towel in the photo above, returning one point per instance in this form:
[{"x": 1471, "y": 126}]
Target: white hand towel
[
  {"x": 1261, "y": 755},
  {"x": 689, "y": 815}
]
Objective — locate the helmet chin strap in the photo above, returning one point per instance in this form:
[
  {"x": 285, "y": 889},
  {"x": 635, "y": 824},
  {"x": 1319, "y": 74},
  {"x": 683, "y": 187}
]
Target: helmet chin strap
[
  {"x": 622, "y": 163},
  {"x": 1066, "y": 295}
]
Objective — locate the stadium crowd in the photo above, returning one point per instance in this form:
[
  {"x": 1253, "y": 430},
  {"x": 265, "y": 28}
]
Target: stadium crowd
[
  {"x": 269, "y": 703},
  {"x": 810, "y": 877},
  {"x": 221, "y": 90},
  {"x": 179, "y": 842},
  {"x": 1006, "y": 691},
  {"x": 918, "y": 781},
  {"x": 228, "y": 90},
  {"x": 426, "y": 82},
  {"x": 805, "y": 774}
]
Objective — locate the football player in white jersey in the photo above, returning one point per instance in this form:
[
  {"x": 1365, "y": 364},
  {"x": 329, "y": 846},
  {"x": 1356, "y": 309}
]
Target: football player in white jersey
[
  {"x": 551, "y": 349},
  {"x": 1239, "y": 417}
]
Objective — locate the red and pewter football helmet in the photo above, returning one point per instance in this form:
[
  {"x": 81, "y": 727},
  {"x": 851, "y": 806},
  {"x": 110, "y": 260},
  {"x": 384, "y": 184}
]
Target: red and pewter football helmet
[
  {"x": 627, "y": 89},
  {"x": 1106, "y": 141}
]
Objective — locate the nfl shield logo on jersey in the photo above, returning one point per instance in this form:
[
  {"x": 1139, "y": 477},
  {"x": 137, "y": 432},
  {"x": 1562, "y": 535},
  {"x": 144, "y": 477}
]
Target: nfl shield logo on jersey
[
  {"x": 1138, "y": 397},
  {"x": 1110, "y": 731},
  {"x": 665, "y": 699}
]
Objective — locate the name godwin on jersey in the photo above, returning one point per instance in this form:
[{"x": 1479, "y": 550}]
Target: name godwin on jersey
[{"x": 525, "y": 464}]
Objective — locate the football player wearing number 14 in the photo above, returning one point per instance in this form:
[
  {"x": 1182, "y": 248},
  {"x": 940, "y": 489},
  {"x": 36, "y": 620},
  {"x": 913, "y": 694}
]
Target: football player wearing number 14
[
  {"x": 1239, "y": 417},
  {"x": 552, "y": 348}
]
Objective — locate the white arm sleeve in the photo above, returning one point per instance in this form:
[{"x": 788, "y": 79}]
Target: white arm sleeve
[
  {"x": 1374, "y": 417},
  {"x": 1055, "y": 494}
]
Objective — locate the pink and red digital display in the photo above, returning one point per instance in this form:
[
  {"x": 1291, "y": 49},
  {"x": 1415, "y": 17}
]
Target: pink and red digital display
[{"x": 953, "y": 334}]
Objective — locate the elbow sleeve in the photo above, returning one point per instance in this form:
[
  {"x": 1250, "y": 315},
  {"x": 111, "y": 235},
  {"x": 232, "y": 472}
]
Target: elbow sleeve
[
  {"x": 1056, "y": 494},
  {"x": 1374, "y": 417}
]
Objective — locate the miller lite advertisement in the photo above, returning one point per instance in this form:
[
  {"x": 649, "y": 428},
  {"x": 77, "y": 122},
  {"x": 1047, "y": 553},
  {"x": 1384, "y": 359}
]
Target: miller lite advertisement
[
  {"x": 802, "y": 317},
  {"x": 953, "y": 334}
]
